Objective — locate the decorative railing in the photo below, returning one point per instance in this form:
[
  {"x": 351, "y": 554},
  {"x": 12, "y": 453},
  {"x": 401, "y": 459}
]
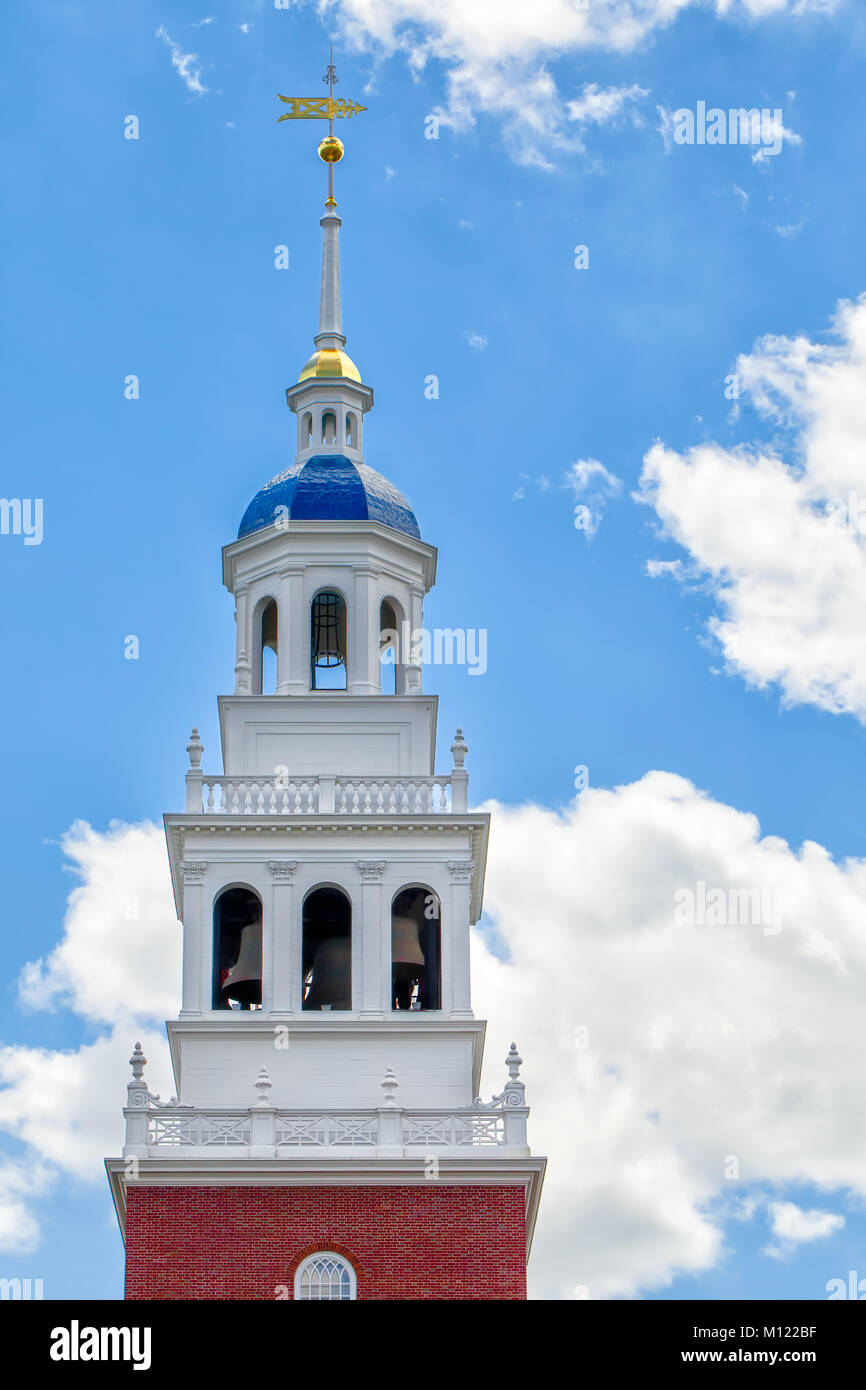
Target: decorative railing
[
  {"x": 181, "y": 1131},
  {"x": 167, "y": 1129},
  {"x": 284, "y": 794},
  {"x": 301, "y": 796}
]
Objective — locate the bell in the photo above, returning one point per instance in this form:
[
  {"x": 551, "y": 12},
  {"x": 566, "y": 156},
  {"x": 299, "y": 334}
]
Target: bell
[
  {"x": 405, "y": 941},
  {"x": 330, "y": 984},
  {"x": 329, "y": 630},
  {"x": 244, "y": 980}
]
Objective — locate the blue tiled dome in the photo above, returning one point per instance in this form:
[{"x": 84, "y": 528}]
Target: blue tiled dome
[{"x": 329, "y": 487}]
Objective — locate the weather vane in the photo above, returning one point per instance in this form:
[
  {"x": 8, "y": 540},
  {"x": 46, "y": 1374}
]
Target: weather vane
[{"x": 323, "y": 109}]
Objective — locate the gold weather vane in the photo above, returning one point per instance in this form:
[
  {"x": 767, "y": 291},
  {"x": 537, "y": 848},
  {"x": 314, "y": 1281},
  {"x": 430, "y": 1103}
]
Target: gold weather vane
[{"x": 323, "y": 109}]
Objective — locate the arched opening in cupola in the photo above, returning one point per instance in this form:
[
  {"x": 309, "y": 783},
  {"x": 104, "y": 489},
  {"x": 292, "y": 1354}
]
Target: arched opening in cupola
[
  {"x": 389, "y": 646},
  {"x": 329, "y": 427},
  {"x": 328, "y": 641},
  {"x": 351, "y": 430},
  {"x": 267, "y": 669},
  {"x": 306, "y": 439},
  {"x": 416, "y": 950},
  {"x": 326, "y": 982},
  {"x": 237, "y": 950}
]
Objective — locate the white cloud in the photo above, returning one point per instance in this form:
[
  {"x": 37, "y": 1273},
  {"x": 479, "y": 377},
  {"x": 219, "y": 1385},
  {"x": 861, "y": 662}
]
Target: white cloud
[
  {"x": 117, "y": 968},
  {"x": 477, "y": 341},
  {"x": 775, "y": 531},
  {"x": 702, "y": 1042},
  {"x": 497, "y": 56},
  {"x": 187, "y": 64},
  {"x": 792, "y": 1226}
]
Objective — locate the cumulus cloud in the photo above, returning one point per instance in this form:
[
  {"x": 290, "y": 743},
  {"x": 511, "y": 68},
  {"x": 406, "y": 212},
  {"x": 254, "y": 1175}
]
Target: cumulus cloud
[
  {"x": 671, "y": 1070},
  {"x": 656, "y": 1053},
  {"x": 792, "y": 1226},
  {"x": 497, "y": 56},
  {"x": 117, "y": 969},
  {"x": 776, "y": 532}
]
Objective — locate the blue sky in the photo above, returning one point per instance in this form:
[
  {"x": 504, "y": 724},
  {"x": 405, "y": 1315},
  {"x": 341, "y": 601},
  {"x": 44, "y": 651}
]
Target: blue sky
[{"x": 155, "y": 257}]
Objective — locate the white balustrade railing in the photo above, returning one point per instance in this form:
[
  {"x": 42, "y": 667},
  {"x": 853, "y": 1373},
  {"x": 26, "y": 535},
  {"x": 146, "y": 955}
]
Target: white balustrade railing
[
  {"x": 184, "y": 1131},
  {"x": 301, "y": 796}
]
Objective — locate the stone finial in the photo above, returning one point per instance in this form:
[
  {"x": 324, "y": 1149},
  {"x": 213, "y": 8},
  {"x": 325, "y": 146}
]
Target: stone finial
[
  {"x": 389, "y": 1086},
  {"x": 195, "y": 748},
  {"x": 263, "y": 1086},
  {"x": 513, "y": 1062},
  {"x": 137, "y": 1061},
  {"x": 459, "y": 749}
]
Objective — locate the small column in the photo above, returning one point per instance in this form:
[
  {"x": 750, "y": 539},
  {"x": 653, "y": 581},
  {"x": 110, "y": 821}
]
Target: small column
[
  {"x": 282, "y": 936},
  {"x": 413, "y": 673},
  {"x": 137, "y": 1103},
  {"x": 514, "y": 1102},
  {"x": 263, "y": 1120},
  {"x": 194, "y": 777},
  {"x": 459, "y": 775},
  {"x": 194, "y": 939},
  {"x": 390, "y": 1120},
  {"x": 369, "y": 971},
  {"x": 457, "y": 976},
  {"x": 243, "y": 670}
]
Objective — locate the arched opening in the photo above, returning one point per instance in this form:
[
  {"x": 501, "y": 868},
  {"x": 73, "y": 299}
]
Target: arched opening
[
  {"x": 237, "y": 950},
  {"x": 306, "y": 439},
  {"x": 329, "y": 427},
  {"x": 326, "y": 1276},
  {"x": 268, "y": 672},
  {"x": 328, "y": 632},
  {"x": 416, "y": 950},
  {"x": 351, "y": 430},
  {"x": 327, "y": 951},
  {"x": 389, "y": 646}
]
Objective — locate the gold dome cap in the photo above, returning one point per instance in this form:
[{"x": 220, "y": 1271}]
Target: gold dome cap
[{"x": 330, "y": 362}]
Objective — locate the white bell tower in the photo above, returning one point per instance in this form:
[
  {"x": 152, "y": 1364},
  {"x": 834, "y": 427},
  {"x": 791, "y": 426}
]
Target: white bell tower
[{"x": 327, "y": 880}]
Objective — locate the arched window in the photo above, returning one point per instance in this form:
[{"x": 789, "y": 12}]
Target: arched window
[
  {"x": 389, "y": 645},
  {"x": 268, "y": 634},
  {"x": 415, "y": 950},
  {"x": 351, "y": 428},
  {"x": 237, "y": 950},
  {"x": 306, "y": 431},
  {"x": 325, "y": 1275},
  {"x": 328, "y": 642},
  {"x": 329, "y": 427},
  {"x": 327, "y": 951}
]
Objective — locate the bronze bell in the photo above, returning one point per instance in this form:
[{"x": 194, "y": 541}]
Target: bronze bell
[
  {"x": 244, "y": 980},
  {"x": 331, "y": 982}
]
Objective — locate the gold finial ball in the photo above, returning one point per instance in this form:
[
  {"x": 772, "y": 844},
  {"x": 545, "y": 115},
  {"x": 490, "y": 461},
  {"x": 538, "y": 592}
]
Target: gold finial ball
[{"x": 331, "y": 149}]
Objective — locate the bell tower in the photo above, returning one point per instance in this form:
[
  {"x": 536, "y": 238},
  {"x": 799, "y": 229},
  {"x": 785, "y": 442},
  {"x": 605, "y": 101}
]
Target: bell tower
[{"x": 328, "y": 1129}]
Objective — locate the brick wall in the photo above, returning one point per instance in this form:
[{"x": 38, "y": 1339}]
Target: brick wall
[{"x": 430, "y": 1242}]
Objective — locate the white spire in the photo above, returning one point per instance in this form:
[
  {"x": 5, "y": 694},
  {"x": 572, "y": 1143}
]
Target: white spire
[{"x": 330, "y": 334}]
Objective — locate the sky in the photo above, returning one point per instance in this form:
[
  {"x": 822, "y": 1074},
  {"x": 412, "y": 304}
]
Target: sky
[{"x": 643, "y": 466}]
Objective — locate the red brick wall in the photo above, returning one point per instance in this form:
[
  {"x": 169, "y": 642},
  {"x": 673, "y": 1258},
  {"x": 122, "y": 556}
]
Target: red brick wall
[{"x": 431, "y": 1242}]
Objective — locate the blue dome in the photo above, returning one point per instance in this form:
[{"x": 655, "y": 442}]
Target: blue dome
[{"x": 329, "y": 487}]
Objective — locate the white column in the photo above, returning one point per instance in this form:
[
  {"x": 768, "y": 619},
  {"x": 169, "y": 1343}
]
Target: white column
[
  {"x": 284, "y": 930},
  {"x": 243, "y": 669},
  {"x": 368, "y": 942},
  {"x": 293, "y": 635},
  {"x": 364, "y": 636},
  {"x": 455, "y": 943},
  {"x": 195, "y": 999}
]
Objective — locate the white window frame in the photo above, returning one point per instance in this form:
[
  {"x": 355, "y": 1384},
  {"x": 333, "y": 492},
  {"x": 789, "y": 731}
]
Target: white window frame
[{"x": 326, "y": 1255}]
